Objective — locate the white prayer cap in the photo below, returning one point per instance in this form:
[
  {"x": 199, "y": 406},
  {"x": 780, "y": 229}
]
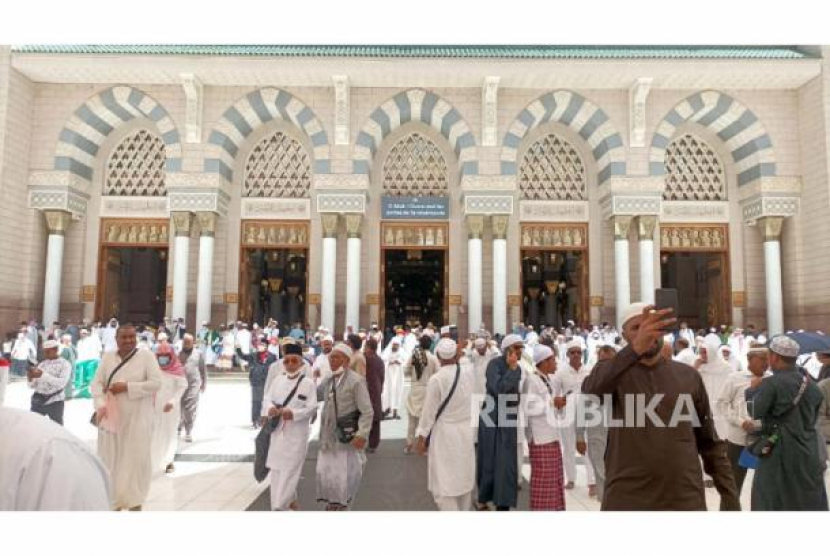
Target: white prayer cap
[
  {"x": 509, "y": 340},
  {"x": 445, "y": 330},
  {"x": 395, "y": 341},
  {"x": 162, "y": 336},
  {"x": 784, "y": 346},
  {"x": 480, "y": 342},
  {"x": 344, "y": 349},
  {"x": 573, "y": 344},
  {"x": 66, "y": 337},
  {"x": 84, "y": 331},
  {"x": 541, "y": 352},
  {"x": 446, "y": 348},
  {"x": 633, "y": 310},
  {"x": 327, "y": 338},
  {"x": 50, "y": 344}
]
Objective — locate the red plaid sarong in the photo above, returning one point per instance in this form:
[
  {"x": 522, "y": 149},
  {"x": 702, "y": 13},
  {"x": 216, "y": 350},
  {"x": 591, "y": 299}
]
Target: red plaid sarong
[{"x": 547, "y": 482}]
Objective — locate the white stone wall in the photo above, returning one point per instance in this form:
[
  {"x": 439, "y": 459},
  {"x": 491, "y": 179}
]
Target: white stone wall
[{"x": 33, "y": 114}]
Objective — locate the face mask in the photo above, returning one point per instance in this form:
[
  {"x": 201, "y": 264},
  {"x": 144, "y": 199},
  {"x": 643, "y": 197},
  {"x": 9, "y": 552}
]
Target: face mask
[{"x": 164, "y": 360}]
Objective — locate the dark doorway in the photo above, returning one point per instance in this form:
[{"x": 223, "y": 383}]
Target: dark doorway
[
  {"x": 273, "y": 285},
  {"x": 414, "y": 287},
  {"x": 554, "y": 287},
  {"x": 700, "y": 279},
  {"x": 134, "y": 284}
]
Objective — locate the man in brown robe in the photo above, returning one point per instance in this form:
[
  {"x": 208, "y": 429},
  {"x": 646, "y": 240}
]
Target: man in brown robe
[
  {"x": 375, "y": 372},
  {"x": 654, "y": 464}
]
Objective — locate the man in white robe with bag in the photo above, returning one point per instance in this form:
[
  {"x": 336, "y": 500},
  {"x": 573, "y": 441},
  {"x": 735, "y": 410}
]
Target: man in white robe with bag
[
  {"x": 292, "y": 400},
  {"x": 122, "y": 391},
  {"x": 447, "y": 420}
]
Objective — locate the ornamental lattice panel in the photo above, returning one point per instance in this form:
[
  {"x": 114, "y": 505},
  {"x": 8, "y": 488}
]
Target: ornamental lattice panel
[
  {"x": 552, "y": 170},
  {"x": 415, "y": 167},
  {"x": 278, "y": 166},
  {"x": 136, "y": 166},
  {"x": 694, "y": 172}
]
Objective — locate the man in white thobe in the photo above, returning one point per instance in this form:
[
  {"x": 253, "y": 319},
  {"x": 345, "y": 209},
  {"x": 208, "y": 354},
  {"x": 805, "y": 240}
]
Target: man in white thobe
[
  {"x": 392, "y": 395},
  {"x": 479, "y": 357},
  {"x": 452, "y": 457},
  {"x": 243, "y": 344},
  {"x": 108, "y": 336},
  {"x": 685, "y": 354},
  {"x": 289, "y": 440},
  {"x": 321, "y": 369},
  {"x": 569, "y": 381},
  {"x": 125, "y": 415},
  {"x": 43, "y": 467}
]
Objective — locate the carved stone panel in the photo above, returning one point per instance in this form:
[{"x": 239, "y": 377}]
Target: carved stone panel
[
  {"x": 414, "y": 235},
  {"x": 274, "y": 234},
  {"x": 141, "y": 232},
  {"x": 555, "y": 236},
  {"x": 554, "y": 211},
  {"x": 694, "y": 238}
]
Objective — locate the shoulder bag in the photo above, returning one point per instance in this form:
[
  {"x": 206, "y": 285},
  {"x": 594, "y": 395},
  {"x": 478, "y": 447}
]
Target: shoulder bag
[
  {"x": 444, "y": 403},
  {"x": 764, "y": 445},
  {"x": 94, "y": 419},
  {"x": 262, "y": 443},
  {"x": 346, "y": 426}
]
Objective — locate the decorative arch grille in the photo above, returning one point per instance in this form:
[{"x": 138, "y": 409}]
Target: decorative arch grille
[
  {"x": 278, "y": 166},
  {"x": 552, "y": 170},
  {"x": 415, "y": 167},
  {"x": 693, "y": 171},
  {"x": 136, "y": 166}
]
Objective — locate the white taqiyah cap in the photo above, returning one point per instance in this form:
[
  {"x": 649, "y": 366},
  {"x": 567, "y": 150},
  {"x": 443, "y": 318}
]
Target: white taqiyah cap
[
  {"x": 344, "y": 349},
  {"x": 510, "y": 340},
  {"x": 162, "y": 336},
  {"x": 785, "y": 346},
  {"x": 541, "y": 352},
  {"x": 445, "y": 330},
  {"x": 633, "y": 310},
  {"x": 446, "y": 348},
  {"x": 480, "y": 342},
  {"x": 573, "y": 344},
  {"x": 327, "y": 338},
  {"x": 50, "y": 344}
]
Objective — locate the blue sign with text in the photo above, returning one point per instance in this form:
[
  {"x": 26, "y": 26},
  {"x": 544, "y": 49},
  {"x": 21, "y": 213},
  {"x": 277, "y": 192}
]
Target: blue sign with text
[{"x": 415, "y": 208}]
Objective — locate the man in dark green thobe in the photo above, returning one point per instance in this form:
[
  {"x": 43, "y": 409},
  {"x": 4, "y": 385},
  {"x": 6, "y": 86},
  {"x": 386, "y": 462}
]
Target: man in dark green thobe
[{"x": 792, "y": 476}]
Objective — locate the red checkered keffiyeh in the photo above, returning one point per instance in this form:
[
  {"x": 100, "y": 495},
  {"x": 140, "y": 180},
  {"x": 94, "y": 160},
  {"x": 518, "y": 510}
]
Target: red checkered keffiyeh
[{"x": 547, "y": 482}]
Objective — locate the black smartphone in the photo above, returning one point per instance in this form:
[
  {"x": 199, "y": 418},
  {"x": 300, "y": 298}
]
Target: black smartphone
[{"x": 666, "y": 298}]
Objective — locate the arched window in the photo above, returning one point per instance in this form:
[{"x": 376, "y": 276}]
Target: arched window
[
  {"x": 136, "y": 166},
  {"x": 278, "y": 166},
  {"x": 693, "y": 171},
  {"x": 415, "y": 167},
  {"x": 552, "y": 170}
]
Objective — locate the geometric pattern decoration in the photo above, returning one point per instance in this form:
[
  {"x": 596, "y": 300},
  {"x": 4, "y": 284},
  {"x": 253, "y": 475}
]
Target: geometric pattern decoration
[
  {"x": 580, "y": 115},
  {"x": 85, "y": 132},
  {"x": 254, "y": 110},
  {"x": 136, "y": 167},
  {"x": 415, "y": 167},
  {"x": 737, "y": 126},
  {"x": 693, "y": 171},
  {"x": 278, "y": 166},
  {"x": 416, "y": 105},
  {"x": 552, "y": 170}
]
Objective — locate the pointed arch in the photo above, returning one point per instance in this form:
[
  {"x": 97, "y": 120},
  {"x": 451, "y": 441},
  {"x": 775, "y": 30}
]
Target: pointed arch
[
  {"x": 577, "y": 113},
  {"x": 736, "y": 125},
  {"x": 412, "y": 106},
  {"x": 254, "y": 110},
  {"x": 83, "y": 135}
]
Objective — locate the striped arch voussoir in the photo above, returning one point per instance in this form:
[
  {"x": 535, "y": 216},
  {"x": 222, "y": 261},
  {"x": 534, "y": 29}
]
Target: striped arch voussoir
[
  {"x": 252, "y": 111},
  {"x": 736, "y": 125},
  {"x": 415, "y": 105},
  {"x": 80, "y": 140},
  {"x": 580, "y": 115}
]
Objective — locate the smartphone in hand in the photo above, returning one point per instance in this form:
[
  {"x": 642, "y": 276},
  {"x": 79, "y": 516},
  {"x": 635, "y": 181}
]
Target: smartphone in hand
[{"x": 666, "y": 298}]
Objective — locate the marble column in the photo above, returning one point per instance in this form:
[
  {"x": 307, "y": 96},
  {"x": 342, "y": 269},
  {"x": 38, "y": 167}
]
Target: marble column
[
  {"x": 180, "y": 222},
  {"x": 645, "y": 234},
  {"x": 475, "y": 228},
  {"x": 328, "y": 283},
  {"x": 771, "y": 231},
  {"x": 622, "y": 280},
  {"x": 204, "y": 285},
  {"x": 353, "y": 226},
  {"x": 57, "y": 222},
  {"x": 500, "y": 274}
]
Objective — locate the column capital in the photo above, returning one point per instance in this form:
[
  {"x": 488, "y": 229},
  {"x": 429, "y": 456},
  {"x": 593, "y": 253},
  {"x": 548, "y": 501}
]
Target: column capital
[
  {"x": 181, "y": 222},
  {"x": 771, "y": 227},
  {"x": 645, "y": 227},
  {"x": 329, "y": 221},
  {"x": 207, "y": 223},
  {"x": 475, "y": 226},
  {"x": 622, "y": 226},
  {"x": 354, "y": 222},
  {"x": 57, "y": 221},
  {"x": 500, "y": 226}
]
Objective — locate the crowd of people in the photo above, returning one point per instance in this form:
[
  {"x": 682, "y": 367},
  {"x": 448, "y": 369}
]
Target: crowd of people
[{"x": 474, "y": 407}]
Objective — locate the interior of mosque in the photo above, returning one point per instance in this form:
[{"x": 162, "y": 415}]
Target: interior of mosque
[
  {"x": 274, "y": 284},
  {"x": 554, "y": 287},
  {"x": 415, "y": 286},
  {"x": 134, "y": 283},
  {"x": 701, "y": 280}
]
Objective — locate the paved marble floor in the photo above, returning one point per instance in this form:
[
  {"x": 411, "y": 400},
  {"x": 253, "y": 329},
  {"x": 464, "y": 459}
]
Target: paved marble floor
[{"x": 214, "y": 471}]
